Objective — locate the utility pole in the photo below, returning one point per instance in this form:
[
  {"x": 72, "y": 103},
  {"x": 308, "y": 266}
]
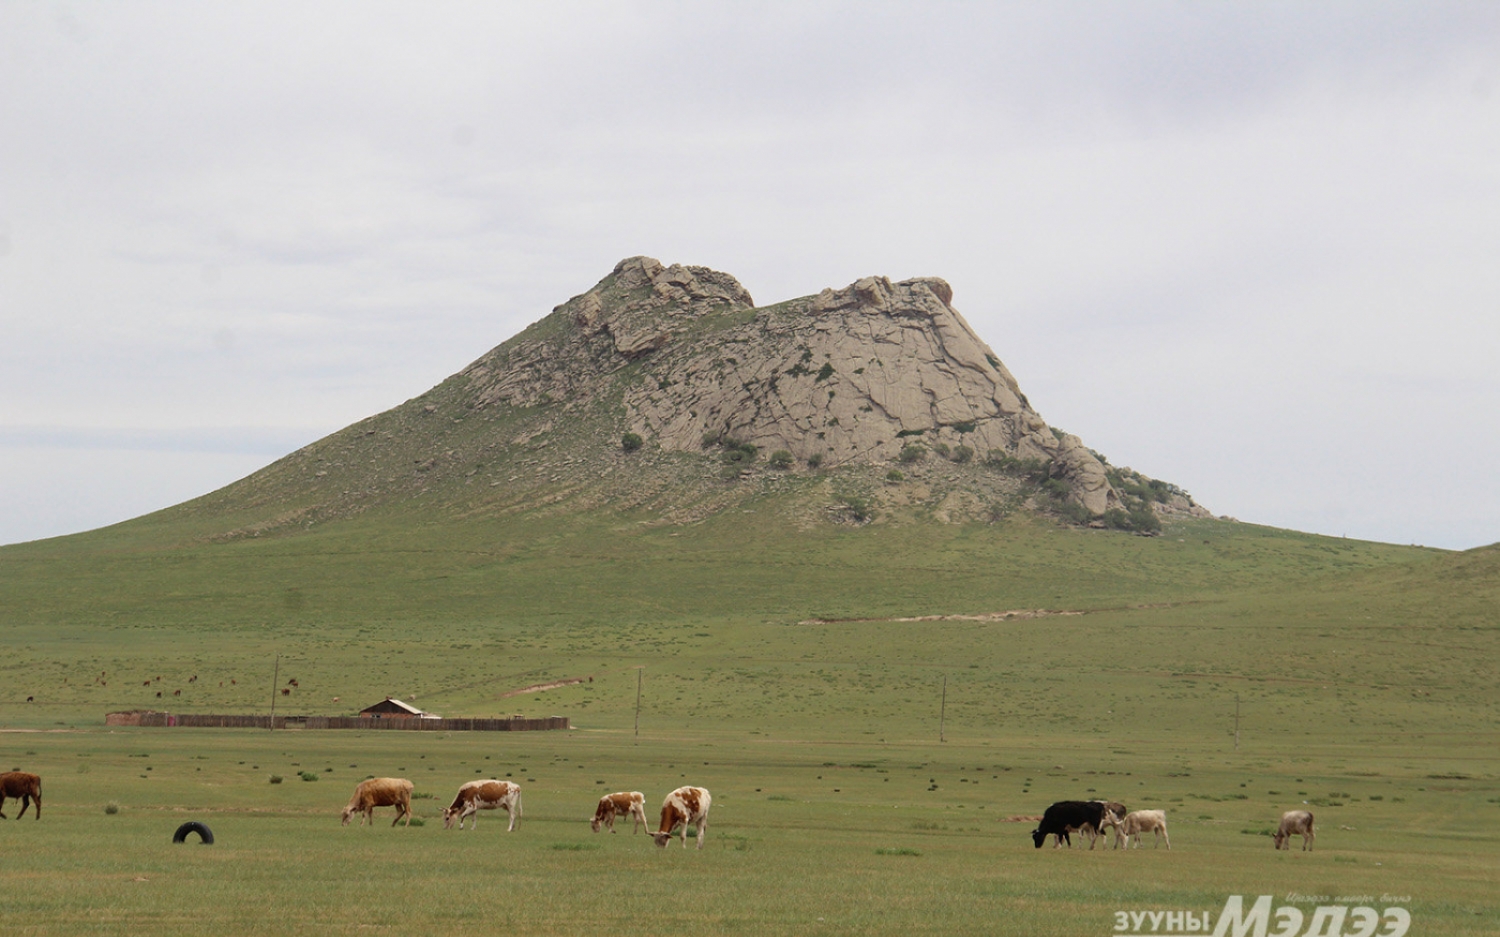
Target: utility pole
[
  {"x": 943, "y": 710},
  {"x": 639, "y": 676},
  {"x": 275, "y": 679},
  {"x": 1236, "y": 721}
]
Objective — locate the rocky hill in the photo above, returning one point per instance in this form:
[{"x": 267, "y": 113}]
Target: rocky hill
[{"x": 665, "y": 388}]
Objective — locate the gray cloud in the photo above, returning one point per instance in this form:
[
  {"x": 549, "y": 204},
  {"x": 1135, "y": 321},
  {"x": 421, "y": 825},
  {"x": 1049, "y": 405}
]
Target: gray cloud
[{"x": 1245, "y": 247}]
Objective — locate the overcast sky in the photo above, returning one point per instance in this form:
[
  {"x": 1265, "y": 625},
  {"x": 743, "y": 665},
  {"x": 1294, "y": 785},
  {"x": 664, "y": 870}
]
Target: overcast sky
[{"x": 1249, "y": 248}]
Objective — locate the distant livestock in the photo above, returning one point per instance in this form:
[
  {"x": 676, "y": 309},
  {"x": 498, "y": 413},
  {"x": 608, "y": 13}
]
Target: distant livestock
[
  {"x": 624, "y": 803},
  {"x": 484, "y": 795},
  {"x": 380, "y": 792},
  {"x": 1293, "y": 823},
  {"x": 1067, "y": 816},
  {"x": 1141, "y": 821},
  {"x": 23, "y": 787},
  {"x": 684, "y": 806}
]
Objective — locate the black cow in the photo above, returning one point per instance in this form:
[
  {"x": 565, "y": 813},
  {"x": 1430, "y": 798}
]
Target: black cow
[{"x": 1066, "y": 816}]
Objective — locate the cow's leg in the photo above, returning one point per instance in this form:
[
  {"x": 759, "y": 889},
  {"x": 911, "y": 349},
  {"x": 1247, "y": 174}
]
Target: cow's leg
[
  {"x": 702, "y": 827},
  {"x": 1166, "y": 837}
]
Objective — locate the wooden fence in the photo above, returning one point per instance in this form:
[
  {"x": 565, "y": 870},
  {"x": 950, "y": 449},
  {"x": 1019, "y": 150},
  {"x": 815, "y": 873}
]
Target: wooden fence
[{"x": 207, "y": 721}]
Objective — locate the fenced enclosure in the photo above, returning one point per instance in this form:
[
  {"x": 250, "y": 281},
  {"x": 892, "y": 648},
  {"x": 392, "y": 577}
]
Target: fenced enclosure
[{"x": 162, "y": 720}]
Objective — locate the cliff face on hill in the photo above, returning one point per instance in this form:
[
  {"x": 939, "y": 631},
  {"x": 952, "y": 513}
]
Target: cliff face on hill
[
  {"x": 665, "y": 389},
  {"x": 854, "y": 375}
]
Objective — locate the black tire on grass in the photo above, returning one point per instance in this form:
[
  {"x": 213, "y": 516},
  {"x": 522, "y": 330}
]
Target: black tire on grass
[{"x": 193, "y": 826}]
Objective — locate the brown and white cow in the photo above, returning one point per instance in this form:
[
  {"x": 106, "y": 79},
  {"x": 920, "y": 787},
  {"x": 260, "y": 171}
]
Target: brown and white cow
[
  {"x": 489, "y": 794},
  {"x": 23, "y": 787},
  {"x": 1114, "y": 815},
  {"x": 624, "y": 803},
  {"x": 380, "y": 792},
  {"x": 1293, "y": 823},
  {"x": 686, "y": 806}
]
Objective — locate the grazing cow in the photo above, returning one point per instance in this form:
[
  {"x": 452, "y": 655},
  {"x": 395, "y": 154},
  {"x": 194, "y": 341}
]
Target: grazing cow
[
  {"x": 686, "y": 806},
  {"x": 1295, "y": 822},
  {"x": 380, "y": 792},
  {"x": 1067, "y": 816},
  {"x": 1114, "y": 813},
  {"x": 1138, "y": 822},
  {"x": 624, "y": 803},
  {"x": 23, "y": 787},
  {"x": 484, "y": 795}
]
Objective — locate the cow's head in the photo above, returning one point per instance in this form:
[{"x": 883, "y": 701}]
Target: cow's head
[
  {"x": 1279, "y": 837},
  {"x": 449, "y": 814},
  {"x": 594, "y": 824},
  {"x": 661, "y": 838},
  {"x": 1038, "y": 837},
  {"x": 349, "y": 812}
]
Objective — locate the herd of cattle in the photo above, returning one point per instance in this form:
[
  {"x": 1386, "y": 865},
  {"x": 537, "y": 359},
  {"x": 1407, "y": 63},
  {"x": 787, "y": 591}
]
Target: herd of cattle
[
  {"x": 688, "y": 806},
  {"x": 1093, "y": 817},
  {"x": 684, "y": 807}
]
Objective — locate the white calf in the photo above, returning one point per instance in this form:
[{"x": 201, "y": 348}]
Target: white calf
[
  {"x": 1140, "y": 821},
  {"x": 1295, "y": 822}
]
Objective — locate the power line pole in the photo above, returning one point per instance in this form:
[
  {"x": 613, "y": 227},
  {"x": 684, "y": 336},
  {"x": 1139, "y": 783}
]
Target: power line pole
[
  {"x": 275, "y": 679},
  {"x": 639, "y": 676},
  {"x": 943, "y": 710}
]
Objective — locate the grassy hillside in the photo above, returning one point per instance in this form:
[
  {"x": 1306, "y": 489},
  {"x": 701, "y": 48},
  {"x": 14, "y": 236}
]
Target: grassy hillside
[
  {"x": 866, "y": 769},
  {"x": 457, "y": 614}
]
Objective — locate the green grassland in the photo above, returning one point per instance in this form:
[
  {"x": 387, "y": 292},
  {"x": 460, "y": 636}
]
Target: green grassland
[{"x": 773, "y": 670}]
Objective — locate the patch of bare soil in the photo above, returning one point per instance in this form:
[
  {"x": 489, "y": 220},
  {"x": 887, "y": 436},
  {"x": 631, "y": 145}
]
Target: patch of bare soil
[
  {"x": 1012, "y": 615},
  {"x": 539, "y": 687}
]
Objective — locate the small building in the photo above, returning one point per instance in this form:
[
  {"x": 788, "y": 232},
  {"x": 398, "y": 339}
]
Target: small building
[{"x": 389, "y": 708}]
